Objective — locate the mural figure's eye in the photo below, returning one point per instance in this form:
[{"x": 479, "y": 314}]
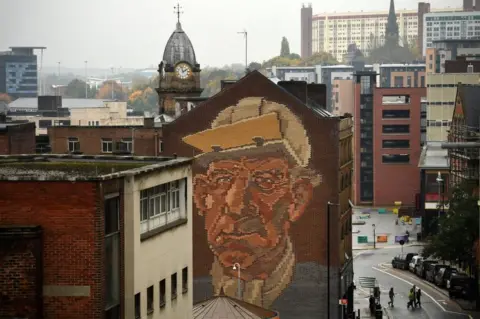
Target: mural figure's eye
[
  {"x": 264, "y": 183},
  {"x": 223, "y": 179}
]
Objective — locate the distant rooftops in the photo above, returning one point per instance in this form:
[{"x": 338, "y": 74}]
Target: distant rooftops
[
  {"x": 344, "y": 66},
  {"x": 58, "y": 167},
  {"x": 32, "y": 103}
]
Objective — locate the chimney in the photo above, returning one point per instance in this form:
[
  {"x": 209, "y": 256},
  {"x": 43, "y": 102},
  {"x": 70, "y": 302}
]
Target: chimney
[{"x": 148, "y": 122}]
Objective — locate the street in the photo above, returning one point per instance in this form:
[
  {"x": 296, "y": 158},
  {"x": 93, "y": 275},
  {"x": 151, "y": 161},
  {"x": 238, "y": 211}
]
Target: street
[{"x": 377, "y": 263}]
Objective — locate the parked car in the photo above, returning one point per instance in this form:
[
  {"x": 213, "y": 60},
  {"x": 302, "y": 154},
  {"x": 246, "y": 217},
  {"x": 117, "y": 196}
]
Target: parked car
[
  {"x": 443, "y": 275},
  {"x": 422, "y": 268},
  {"x": 461, "y": 286},
  {"x": 401, "y": 261},
  {"x": 416, "y": 260},
  {"x": 432, "y": 271}
]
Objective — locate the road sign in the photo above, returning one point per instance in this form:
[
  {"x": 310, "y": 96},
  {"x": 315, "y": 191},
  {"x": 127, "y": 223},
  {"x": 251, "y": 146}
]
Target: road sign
[
  {"x": 343, "y": 302},
  {"x": 362, "y": 239},
  {"x": 364, "y": 216},
  {"x": 402, "y": 242}
]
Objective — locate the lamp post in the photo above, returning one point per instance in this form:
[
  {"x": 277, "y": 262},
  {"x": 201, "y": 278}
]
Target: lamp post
[
  {"x": 112, "y": 84},
  {"x": 245, "y": 33},
  {"x": 440, "y": 204},
  {"x": 328, "y": 256},
  {"x": 86, "y": 81},
  {"x": 236, "y": 266},
  {"x": 374, "y": 237}
]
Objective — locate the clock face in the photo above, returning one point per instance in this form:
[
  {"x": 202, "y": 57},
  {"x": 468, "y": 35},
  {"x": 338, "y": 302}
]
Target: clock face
[{"x": 183, "y": 71}]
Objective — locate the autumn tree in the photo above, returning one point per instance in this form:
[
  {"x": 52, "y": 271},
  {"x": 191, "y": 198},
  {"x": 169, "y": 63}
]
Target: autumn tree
[
  {"x": 105, "y": 91},
  {"x": 4, "y": 97},
  {"x": 285, "y": 48}
]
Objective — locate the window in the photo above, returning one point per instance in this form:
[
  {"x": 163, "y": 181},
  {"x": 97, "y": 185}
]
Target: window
[
  {"x": 396, "y": 129},
  {"x": 160, "y": 146},
  {"x": 44, "y": 123},
  {"x": 398, "y": 81},
  {"x": 396, "y": 143},
  {"x": 409, "y": 81},
  {"x": 107, "y": 145},
  {"x": 163, "y": 291},
  {"x": 73, "y": 144},
  {"x": 160, "y": 205},
  {"x": 395, "y": 99},
  {"x": 138, "y": 313},
  {"x": 422, "y": 81},
  {"x": 174, "y": 285},
  {"x": 125, "y": 145},
  {"x": 396, "y": 114},
  {"x": 97, "y": 123},
  {"x": 185, "y": 280},
  {"x": 112, "y": 252},
  {"x": 149, "y": 300},
  {"x": 395, "y": 158}
]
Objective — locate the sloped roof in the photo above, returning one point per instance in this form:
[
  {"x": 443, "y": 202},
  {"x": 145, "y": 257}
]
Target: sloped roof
[{"x": 230, "y": 308}]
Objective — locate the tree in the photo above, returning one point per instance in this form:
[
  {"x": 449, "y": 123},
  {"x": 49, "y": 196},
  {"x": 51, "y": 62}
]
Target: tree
[
  {"x": 285, "y": 48},
  {"x": 323, "y": 58},
  {"x": 105, "y": 91},
  {"x": 254, "y": 66},
  {"x": 458, "y": 228},
  {"x": 4, "y": 97}
]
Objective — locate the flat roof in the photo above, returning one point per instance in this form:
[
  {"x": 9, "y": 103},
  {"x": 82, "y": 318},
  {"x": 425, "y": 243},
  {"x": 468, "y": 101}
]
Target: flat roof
[
  {"x": 433, "y": 156},
  {"x": 32, "y": 103},
  {"x": 27, "y": 47},
  {"x": 66, "y": 167},
  {"x": 474, "y": 39}
]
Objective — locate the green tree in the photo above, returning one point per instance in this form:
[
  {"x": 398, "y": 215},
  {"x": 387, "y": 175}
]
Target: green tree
[
  {"x": 458, "y": 228},
  {"x": 323, "y": 58},
  {"x": 285, "y": 48},
  {"x": 76, "y": 90},
  {"x": 254, "y": 66}
]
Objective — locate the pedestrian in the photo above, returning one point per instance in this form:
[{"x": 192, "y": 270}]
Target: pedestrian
[
  {"x": 391, "y": 294},
  {"x": 411, "y": 299},
  {"x": 418, "y": 295},
  {"x": 371, "y": 302}
]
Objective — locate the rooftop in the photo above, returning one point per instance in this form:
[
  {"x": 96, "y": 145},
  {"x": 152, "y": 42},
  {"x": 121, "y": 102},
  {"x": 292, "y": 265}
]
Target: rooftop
[
  {"x": 32, "y": 103},
  {"x": 60, "y": 167},
  {"x": 5, "y": 126},
  {"x": 433, "y": 156}
]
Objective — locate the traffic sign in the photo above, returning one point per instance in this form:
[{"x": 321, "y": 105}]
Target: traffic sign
[{"x": 401, "y": 242}]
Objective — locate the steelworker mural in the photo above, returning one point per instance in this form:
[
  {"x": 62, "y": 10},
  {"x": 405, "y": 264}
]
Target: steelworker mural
[{"x": 252, "y": 183}]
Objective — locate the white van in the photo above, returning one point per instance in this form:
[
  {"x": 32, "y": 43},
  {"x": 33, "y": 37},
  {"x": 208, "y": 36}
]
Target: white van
[{"x": 415, "y": 262}]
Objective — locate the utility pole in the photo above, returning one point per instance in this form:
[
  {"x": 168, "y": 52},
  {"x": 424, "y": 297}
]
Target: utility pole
[
  {"x": 86, "y": 81},
  {"x": 469, "y": 145},
  {"x": 245, "y": 33},
  {"x": 59, "y": 68},
  {"x": 112, "y": 84}
]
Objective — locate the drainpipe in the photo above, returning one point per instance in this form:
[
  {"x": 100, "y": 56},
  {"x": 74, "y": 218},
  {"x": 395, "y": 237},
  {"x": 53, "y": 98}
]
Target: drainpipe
[{"x": 133, "y": 141}]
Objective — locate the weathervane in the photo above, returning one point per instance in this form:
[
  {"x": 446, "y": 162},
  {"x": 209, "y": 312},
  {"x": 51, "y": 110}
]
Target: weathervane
[{"x": 177, "y": 11}]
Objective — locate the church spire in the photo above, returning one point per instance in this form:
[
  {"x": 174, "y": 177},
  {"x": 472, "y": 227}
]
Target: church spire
[{"x": 391, "y": 30}]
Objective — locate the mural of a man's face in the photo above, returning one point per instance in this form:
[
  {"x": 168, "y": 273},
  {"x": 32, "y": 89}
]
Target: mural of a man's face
[{"x": 248, "y": 204}]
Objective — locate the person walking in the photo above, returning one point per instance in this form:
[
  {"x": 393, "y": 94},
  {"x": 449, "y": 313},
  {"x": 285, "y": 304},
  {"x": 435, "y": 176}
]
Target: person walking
[
  {"x": 411, "y": 299},
  {"x": 418, "y": 295},
  {"x": 391, "y": 294},
  {"x": 371, "y": 302}
]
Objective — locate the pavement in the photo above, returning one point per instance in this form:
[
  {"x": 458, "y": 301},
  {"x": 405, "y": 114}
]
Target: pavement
[{"x": 384, "y": 225}]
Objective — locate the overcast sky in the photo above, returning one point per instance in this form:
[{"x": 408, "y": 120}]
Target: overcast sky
[{"x": 133, "y": 33}]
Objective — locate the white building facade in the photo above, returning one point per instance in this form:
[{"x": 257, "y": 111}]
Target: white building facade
[
  {"x": 158, "y": 243},
  {"x": 450, "y": 25}
]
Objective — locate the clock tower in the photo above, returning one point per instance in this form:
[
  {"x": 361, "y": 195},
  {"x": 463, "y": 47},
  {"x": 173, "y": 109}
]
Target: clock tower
[{"x": 179, "y": 72}]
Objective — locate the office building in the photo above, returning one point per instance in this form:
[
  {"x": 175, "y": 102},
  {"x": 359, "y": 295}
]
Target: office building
[
  {"x": 450, "y": 49},
  {"x": 441, "y": 96},
  {"x": 306, "y": 31},
  {"x": 388, "y": 140},
  {"x": 450, "y": 25},
  {"x": 92, "y": 237},
  {"x": 342, "y": 96},
  {"x": 18, "y": 72}
]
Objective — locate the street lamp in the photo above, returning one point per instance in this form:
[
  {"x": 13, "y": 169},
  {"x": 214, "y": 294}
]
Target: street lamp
[
  {"x": 328, "y": 255},
  {"x": 374, "y": 237},
  {"x": 245, "y": 33},
  {"x": 236, "y": 266},
  {"x": 440, "y": 204},
  {"x": 86, "y": 80}
]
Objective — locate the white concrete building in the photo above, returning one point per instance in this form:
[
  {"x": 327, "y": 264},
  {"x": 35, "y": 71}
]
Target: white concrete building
[
  {"x": 158, "y": 242},
  {"x": 333, "y": 32},
  {"x": 111, "y": 114},
  {"x": 450, "y": 25}
]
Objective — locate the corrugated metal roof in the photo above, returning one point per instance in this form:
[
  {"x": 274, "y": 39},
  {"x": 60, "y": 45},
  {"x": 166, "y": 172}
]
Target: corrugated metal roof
[
  {"x": 229, "y": 308},
  {"x": 32, "y": 103},
  {"x": 434, "y": 157}
]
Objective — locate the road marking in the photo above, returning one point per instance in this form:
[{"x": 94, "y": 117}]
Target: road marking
[{"x": 426, "y": 294}]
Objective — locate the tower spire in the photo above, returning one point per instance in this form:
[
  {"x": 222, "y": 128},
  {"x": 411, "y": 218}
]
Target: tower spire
[
  {"x": 391, "y": 29},
  {"x": 178, "y": 12}
]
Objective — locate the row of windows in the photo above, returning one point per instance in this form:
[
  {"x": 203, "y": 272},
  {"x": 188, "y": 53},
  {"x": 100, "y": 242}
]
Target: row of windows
[
  {"x": 160, "y": 205},
  {"x": 396, "y": 129},
  {"x": 396, "y": 114},
  {"x": 108, "y": 145},
  {"x": 396, "y": 158},
  {"x": 162, "y": 294},
  {"x": 433, "y": 123}
]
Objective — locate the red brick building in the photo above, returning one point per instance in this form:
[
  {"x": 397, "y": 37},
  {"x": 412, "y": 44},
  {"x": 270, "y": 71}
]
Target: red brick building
[
  {"x": 103, "y": 140},
  {"x": 252, "y": 142},
  {"x": 67, "y": 264},
  {"x": 17, "y": 138},
  {"x": 388, "y": 142}
]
